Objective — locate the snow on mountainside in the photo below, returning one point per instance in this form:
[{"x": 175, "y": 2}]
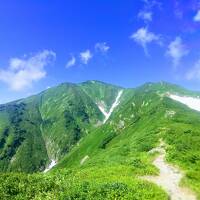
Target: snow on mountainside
[
  {"x": 114, "y": 105},
  {"x": 51, "y": 165},
  {"x": 191, "y": 102}
]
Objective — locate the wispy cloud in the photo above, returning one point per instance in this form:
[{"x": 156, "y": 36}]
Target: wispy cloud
[
  {"x": 194, "y": 73},
  {"x": 144, "y": 37},
  {"x": 178, "y": 10},
  {"x": 152, "y": 3},
  {"x": 197, "y": 16},
  {"x": 177, "y": 50},
  {"x": 102, "y": 47},
  {"x": 85, "y": 56},
  {"x": 71, "y": 62},
  {"x": 22, "y": 72},
  {"x": 145, "y": 15},
  {"x": 178, "y": 13}
]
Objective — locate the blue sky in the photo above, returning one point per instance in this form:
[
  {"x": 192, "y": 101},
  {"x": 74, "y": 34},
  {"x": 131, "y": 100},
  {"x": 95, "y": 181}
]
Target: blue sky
[{"x": 44, "y": 43}]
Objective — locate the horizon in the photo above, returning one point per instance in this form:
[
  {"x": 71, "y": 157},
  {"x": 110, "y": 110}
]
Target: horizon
[
  {"x": 50, "y": 43},
  {"x": 133, "y": 87}
]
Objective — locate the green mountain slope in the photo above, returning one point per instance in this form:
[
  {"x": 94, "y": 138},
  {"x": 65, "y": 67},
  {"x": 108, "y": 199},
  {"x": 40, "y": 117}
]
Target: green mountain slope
[
  {"x": 95, "y": 160},
  {"x": 135, "y": 129},
  {"x": 101, "y": 93},
  {"x": 67, "y": 115},
  {"x": 22, "y": 147},
  {"x": 46, "y": 126}
]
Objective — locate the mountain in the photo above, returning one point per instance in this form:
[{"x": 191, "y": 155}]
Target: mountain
[
  {"x": 101, "y": 137},
  {"x": 144, "y": 115},
  {"x": 100, "y": 92},
  {"x": 45, "y": 127}
]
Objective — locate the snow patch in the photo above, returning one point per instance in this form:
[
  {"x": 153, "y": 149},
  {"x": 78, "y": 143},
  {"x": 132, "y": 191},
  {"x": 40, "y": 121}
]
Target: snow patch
[
  {"x": 191, "y": 102},
  {"x": 84, "y": 159},
  {"x": 132, "y": 116},
  {"x": 102, "y": 108},
  {"x": 114, "y": 105},
  {"x": 133, "y": 104},
  {"x": 51, "y": 165},
  {"x": 143, "y": 104},
  {"x": 169, "y": 113},
  {"x": 121, "y": 124}
]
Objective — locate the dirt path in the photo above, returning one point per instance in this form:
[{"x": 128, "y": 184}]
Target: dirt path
[{"x": 169, "y": 178}]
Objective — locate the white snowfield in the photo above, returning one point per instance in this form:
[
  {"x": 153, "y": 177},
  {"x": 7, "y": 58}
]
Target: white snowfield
[
  {"x": 84, "y": 159},
  {"x": 102, "y": 109},
  {"x": 114, "y": 105},
  {"x": 51, "y": 165},
  {"x": 191, "y": 102}
]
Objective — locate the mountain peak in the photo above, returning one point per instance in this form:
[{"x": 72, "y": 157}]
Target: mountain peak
[{"x": 101, "y": 83}]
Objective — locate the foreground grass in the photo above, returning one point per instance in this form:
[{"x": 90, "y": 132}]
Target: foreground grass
[{"x": 89, "y": 183}]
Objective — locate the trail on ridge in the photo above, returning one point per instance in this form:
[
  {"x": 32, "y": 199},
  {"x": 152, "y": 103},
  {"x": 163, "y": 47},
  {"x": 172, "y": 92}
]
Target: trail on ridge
[{"x": 169, "y": 178}]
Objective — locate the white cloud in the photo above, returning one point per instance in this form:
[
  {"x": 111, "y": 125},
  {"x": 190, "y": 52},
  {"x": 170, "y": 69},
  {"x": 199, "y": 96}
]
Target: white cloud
[
  {"x": 178, "y": 13},
  {"x": 102, "y": 47},
  {"x": 197, "y": 16},
  {"x": 143, "y": 37},
  {"x": 85, "y": 56},
  {"x": 194, "y": 73},
  {"x": 71, "y": 62},
  {"x": 145, "y": 15},
  {"x": 177, "y": 50},
  {"x": 152, "y": 3},
  {"x": 22, "y": 72}
]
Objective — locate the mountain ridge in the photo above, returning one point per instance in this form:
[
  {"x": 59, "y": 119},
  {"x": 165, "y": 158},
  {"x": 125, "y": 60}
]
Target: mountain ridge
[
  {"x": 62, "y": 115},
  {"x": 111, "y": 84},
  {"x": 76, "y": 112},
  {"x": 62, "y": 131}
]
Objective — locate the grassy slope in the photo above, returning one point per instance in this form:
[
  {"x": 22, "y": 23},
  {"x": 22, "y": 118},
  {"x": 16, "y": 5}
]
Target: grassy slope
[
  {"x": 183, "y": 138},
  {"x": 108, "y": 183},
  {"x": 127, "y": 146},
  {"x": 23, "y": 140},
  {"x": 47, "y": 126},
  {"x": 67, "y": 114},
  {"x": 118, "y": 152},
  {"x": 116, "y": 144},
  {"x": 99, "y": 91},
  {"x": 44, "y": 126}
]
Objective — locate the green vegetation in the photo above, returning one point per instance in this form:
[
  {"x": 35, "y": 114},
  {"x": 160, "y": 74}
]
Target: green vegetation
[
  {"x": 44, "y": 127},
  {"x": 106, "y": 183},
  {"x": 99, "y": 91},
  {"x": 183, "y": 138},
  {"x": 63, "y": 123}
]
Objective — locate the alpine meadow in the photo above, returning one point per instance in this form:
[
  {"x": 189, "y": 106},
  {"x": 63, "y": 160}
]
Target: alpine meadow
[{"x": 100, "y": 100}]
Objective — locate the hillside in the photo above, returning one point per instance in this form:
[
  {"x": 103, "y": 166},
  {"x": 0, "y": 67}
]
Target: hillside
[
  {"x": 45, "y": 127},
  {"x": 98, "y": 159}
]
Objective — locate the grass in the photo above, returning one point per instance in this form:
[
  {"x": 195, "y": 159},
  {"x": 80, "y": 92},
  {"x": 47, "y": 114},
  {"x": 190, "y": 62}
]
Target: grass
[
  {"x": 90, "y": 183},
  {"x": 117, "y": 151}
]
